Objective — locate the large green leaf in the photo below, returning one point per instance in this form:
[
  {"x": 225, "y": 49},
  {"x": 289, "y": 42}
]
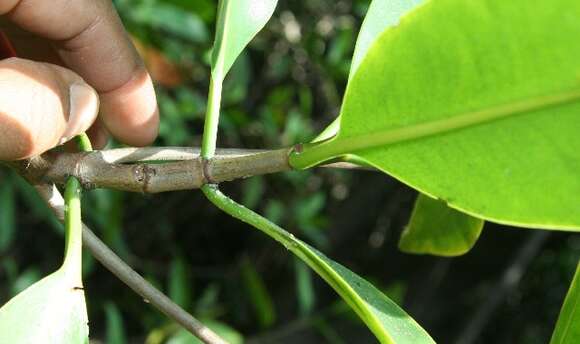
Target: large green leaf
[
  {"x": 436, "y": 229},
  {"x": 50, "y": 311},
  {"x": 476, "y": 103},
  {"x": 385, "y": 319},
  {"x": 380, "y": 15},
  {"x": 238, "y": 22},
  {"x": 568, "y": 326}
]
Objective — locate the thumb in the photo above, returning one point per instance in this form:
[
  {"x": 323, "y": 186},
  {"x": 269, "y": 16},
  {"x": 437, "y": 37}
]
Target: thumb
[{"x": 41, "y": 106}]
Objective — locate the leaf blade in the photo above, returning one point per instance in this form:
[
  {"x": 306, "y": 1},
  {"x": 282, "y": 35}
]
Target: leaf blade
[
  {"x": 436, "y": 229},
  {"x": 380, "y": 15},
  {"x": 238, "y": 22},
  {"x": 448, "y": 125},
  {"x": 567, "y": 329},
  {"x": 50, "y": 311}
]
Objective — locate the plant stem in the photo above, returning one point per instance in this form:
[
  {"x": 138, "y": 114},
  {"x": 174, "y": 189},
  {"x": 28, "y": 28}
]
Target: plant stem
[
  {"x": 210, "y": 129},
  {"x": 72, "y": 221},
  {"x": 73, "y": 230}
]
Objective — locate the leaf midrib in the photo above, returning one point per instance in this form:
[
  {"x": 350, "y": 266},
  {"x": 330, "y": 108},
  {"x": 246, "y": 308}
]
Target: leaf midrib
[{"x": 316, "y": 153}]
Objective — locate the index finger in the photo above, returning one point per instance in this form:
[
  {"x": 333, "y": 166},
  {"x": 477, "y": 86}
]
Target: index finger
[{"x": 90, "y": 39}]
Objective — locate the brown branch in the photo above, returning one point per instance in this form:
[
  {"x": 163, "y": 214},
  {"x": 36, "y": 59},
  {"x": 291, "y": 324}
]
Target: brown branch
[
  {"x": 130, "y": 277},
  {"x": 154, "y": 170}
]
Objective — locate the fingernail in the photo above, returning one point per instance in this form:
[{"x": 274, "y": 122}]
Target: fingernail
[{"x": 83, "y": 109}]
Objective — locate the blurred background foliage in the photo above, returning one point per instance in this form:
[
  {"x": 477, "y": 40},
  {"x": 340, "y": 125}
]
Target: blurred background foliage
[{"x": 283, "y": 90}]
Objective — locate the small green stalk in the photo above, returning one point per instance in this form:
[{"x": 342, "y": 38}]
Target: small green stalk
[
  {"x": 72, "y": 220},
  {"x": 210, "y": 130}
]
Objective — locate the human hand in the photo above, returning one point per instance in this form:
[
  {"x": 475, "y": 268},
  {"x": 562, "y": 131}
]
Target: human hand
[{"x": 72, "y": 53}]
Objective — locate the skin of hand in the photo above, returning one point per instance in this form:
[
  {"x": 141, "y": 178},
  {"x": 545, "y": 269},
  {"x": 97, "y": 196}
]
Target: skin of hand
[{"x": 76, "y": 70}]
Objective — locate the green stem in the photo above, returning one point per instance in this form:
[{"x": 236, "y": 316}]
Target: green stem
[
  {"x": 210, "y": 130},
  {"x": 72, "y": 220},
  {"x": 309, "y": 255},
  {"x": 315, "y": 153}
]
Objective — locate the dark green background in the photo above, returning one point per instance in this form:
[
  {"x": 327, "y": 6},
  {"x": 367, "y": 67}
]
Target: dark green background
[{"x": 284, "y": 90}]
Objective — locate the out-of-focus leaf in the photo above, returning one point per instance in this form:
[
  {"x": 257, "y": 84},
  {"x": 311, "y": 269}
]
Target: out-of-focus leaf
[
  {"x": 180, "y": 286},
  {"x": 173, "y": 20},
  {"x": 7, "y": 223},
  {"x": 275, "y": 211},
  {"x": 304, "y": 287},
  {"x": 36, "y": 205},
  {"x": 436, "y": 229},
  {"x": 208, "y": 301},
  {"x": 253, "y": 191},
  {"x": 163, "y": 71},
  {"x": 396, "y": 291},
  {"x": 24, "y": 280},
  {"x": 204, "y": 8},
  {"x": 237, "y": 23},
  {"x": 115, "y": 325},
  {"x": 258, "y": 294},
  {"x": 226, "y": 332},
  {"x": 568, "y": 326}
]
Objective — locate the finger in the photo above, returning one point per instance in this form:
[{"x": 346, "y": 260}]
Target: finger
[
  {"x": 98, "y": 135},
  {"x": 41, "y": 106},
  {"x": 90, "y": 39}
]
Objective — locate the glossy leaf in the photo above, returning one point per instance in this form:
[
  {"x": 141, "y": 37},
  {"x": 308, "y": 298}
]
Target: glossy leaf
[
  {"x": 483, "y": 112},
  {"x": 381, "y": 14},
  {"x": 51, "y": 311},
  {"x": 388, "y": 322},
  {"x": 238, "y": 22},
  {"x": 436, "y": 229},
  {"x": 568, "y": 326}
]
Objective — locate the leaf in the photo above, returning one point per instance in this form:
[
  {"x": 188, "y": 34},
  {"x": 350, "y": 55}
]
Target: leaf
[
  {"x": 51, "y": 311},
  {"x": 385, "y": 319},
  {"x": 238, "y": 22},
  {"x": 180, "y": 285},
  {"x": 304, "y": 288},
  {"x": 115, "y": 326},
  {"x": 7, "y": 220},
  {"x": 439, "y": 230},
  {"x": 568, "y": 326},
  {"x": 226, "y": 332},
  {"x": 173, "y": 20},
  {"x": 381, "y": 14},
  {"x": 475, "y": 103},
  {"x": 258, "y": 294}
]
